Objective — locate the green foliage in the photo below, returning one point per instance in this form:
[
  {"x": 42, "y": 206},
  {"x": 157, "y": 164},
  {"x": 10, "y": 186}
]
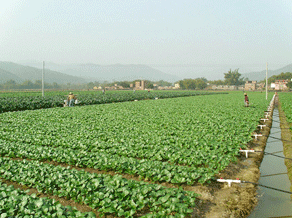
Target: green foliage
[
  {"x": 163, "y": 83},
  {"x": 28, "y": 84},
  {"x": 182, "y": 140},
  {"x": 193, "y": 84},
  {"x": 177, "y": 140},
  {"x": 19, "y": 103},
  {"x": 16, "y": 203},
  {"x": 286, "y": 99},
  {"x": 289, "y": 84},
  {"x": 233, "y": 78},
  {"x": 217, "y": 82},
  {"x": 282, "y": 76},
  {"x": 109, "y": 194}
]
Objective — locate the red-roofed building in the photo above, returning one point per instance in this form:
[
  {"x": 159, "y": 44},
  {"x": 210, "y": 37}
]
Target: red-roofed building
[{"x": 281, "y": 84}]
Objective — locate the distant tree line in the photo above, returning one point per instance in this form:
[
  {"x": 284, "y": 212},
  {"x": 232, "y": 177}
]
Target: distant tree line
[
  {"x": 28, "y": 84},
  {"x": 282, "y": 76},
  {"x": 199, "y": 83},
  {"x": 127, "y": 84},
  {"x": 232, "y": 78}
]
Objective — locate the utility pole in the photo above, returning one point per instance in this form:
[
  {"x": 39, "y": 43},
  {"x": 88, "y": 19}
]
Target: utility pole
[
  {"x": 267, "y": 82},
  {"x": 43, "y": 81}
]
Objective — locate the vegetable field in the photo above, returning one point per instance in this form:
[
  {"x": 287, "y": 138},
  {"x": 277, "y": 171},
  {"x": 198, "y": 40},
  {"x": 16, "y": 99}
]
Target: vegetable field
[
  {"x": 176, "y": 140},
  {"x": 286, "y": 99},
  {"x": 33, "y": 100}
]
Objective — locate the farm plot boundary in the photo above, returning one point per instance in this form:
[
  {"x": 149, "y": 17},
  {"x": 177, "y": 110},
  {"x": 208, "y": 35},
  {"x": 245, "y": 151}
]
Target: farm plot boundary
[
  {"x": 217, "y": 199},
  {"x": 229, "y": 171},
  {"x": 286, "y": 136}
]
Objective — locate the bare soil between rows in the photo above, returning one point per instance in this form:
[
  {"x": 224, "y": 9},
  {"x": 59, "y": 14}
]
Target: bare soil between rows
[{"x": 216, "y": 200}]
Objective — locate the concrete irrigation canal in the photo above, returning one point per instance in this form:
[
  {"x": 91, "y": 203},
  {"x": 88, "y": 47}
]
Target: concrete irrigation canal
[{"x": 273, "y": 203}]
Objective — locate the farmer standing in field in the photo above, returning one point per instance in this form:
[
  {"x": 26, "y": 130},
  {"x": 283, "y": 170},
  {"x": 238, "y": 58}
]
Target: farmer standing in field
[
  {"x": 246, "y": 101},
  {"x": 71, "y": 99}
]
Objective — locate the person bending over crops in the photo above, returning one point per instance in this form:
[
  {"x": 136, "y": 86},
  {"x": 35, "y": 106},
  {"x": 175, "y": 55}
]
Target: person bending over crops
[
  {"x": 246, "y": 101},
  {"x": 71, "y": 99}
]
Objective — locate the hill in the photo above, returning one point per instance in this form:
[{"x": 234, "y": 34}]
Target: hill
[
  {"x": 17, "y": 71},
  {"x": 261, "y": 75},
  {"x": 5, "y": 76},
  {"x": 116, "y": 72}
]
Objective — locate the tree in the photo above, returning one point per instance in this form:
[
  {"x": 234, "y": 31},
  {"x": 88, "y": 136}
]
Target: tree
[
  {"x": 90, "y": 85},
  {"x": 38, "y": 84},
  {"x": 182, "y": 84},
  {"x": 233, "y": 78},
  {"x": 10, "y": 84},
  {"x": 192, "y": 84},
  {"x": 163, "y": 83},
  {"x": 55, "y": 85},
  {"x": 125, "y": 84},
  {"x": 282, "y": 76},
  {"x": 200, "y": 83},
  {"x": 217, "y": 82},
  {"x": 204, "y": 79},
  {"x": 149, "y": 84},
  {"x": 289, "y": 84},
  {"x": 27, "y": 84}
]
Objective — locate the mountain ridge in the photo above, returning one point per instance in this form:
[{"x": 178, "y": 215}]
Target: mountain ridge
[
  {"x": 261, "y": 75},
  {"x": 6, "y": 76},
  {"x": 113, "y": 72},
  {"x": 33, "y": 74}
]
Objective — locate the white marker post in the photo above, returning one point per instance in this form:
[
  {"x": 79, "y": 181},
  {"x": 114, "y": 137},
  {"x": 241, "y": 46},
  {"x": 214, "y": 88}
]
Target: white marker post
[
  {"x": 262, "y": 126},
  {"x": 246, "y": 152},
  {"x": 229, "y": 181},
  {"x": 257, "y": 135},
  {"x": 267, "y": 82},
  {"x": 43, "y": 81}
]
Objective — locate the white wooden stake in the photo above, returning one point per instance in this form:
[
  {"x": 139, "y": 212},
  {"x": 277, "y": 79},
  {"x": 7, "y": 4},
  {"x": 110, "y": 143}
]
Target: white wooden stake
[{"x": 43, "y": 81}]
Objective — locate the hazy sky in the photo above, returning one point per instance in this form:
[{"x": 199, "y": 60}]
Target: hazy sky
[{"x": 171, "y": 35}]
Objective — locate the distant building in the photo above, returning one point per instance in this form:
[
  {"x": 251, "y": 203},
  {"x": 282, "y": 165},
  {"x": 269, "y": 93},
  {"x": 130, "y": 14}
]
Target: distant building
[
  {"x": 176, "y": 86},
  {"x": 280, "y": 84},
  {"x": 224, "y": 87},
  {"x": 260, "y": 86},
  {"x": 140, "y": 85},
  {"x": 250, "y": 85}
]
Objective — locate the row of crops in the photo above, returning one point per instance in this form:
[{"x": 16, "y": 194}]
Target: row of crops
[
  {"x": 17, "y": 202},
  {"x": 286, "y": 99},
  {"x": 23, "y": 101},
  {"x": 177, "y": 140},
  {"x": 111, "y": 194}
]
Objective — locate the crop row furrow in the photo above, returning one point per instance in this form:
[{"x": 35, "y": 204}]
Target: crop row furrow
[
  {"x": 166, "y": 153},
  {"x": 111, "y": 194},
  {"x": 153, "y": 170},
  {"x": 16, "y": 203}
]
